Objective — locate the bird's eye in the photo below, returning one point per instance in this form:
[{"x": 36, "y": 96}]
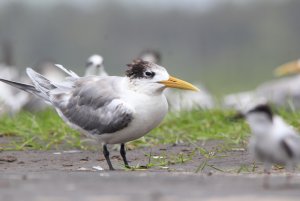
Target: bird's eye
[
  {"x": 98, "y": 66},
  {"x": 149, "y": 74}
]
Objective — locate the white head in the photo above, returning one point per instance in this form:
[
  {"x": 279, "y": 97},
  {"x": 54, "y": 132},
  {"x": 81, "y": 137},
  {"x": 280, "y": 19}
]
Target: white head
[
  {"x": 151, "y": 78},
  {"x": 94, "y": 66},
  {"x": 260, "y": 119},
  {"x": 95, "y": 60}
]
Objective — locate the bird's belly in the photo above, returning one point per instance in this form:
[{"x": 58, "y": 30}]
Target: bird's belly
[{"x": 145, "y": 119}]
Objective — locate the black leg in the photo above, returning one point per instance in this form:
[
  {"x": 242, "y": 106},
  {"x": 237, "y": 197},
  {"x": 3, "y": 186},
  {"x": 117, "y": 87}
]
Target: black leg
[
  {"x": 123, "y": 154},
  {"x": 106, "y": 155}
]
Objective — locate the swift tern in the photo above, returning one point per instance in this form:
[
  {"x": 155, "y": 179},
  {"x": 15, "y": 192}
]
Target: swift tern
[
  {"x": 94, "y": 66},
  {"x": 243, "y": 101},
  {"x": 288, "y": 68},
  {"x": 181, "y": 100},
  {"x": 273, "y": 141},
  {"x": 11, "y": 101},
  {"x": 111, "y": 109},
  {"x": 280, "y": 92}
]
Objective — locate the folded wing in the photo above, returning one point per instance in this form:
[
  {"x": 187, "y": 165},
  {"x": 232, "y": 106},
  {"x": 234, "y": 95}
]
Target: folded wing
[{"x": 92, "y": 104}]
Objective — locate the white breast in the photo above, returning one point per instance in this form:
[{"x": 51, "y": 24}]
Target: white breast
[{"x": 149, "y": 112}]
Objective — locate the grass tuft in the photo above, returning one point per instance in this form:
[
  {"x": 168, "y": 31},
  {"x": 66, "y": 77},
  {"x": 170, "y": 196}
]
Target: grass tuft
[
  {"x": 40, "y": 131},
  {"x": 196, "y": 125}
]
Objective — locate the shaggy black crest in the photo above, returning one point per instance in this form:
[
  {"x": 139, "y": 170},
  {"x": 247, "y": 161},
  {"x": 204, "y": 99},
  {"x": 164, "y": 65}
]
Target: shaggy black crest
[
  {"x": 263, "y": 109},
  {"x": 155, "y": 53},
  {"x": 137, "y": 68}
]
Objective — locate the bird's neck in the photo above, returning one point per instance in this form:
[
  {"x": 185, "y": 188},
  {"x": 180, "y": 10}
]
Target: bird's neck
[
  {"x": 91, "y": 70},
  {"x": 102, "y": 72},
  {"x": 143, "y": 88}
]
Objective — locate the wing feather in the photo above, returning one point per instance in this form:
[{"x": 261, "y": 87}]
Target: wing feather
[{"x": 94, "y": 105}]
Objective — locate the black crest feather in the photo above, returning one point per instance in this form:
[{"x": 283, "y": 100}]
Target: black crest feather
[
  {"x": 266, "y": 109},
  {"x": 137, "y": 68}
]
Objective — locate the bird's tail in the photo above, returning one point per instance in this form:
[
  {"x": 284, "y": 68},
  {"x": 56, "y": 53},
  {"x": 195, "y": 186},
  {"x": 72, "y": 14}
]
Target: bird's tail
[
  {"x": 40, "y": 83},
  {"x": 25, "y": 87},
  {"x": 68, "y": 72}
]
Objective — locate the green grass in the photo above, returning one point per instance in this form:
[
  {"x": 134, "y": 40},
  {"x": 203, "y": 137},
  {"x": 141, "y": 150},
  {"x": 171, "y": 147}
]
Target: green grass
[
  {"x": 197, "y": 125},
  {"x": 45, "y": 130},
  {"x": 41, "y": 131}
]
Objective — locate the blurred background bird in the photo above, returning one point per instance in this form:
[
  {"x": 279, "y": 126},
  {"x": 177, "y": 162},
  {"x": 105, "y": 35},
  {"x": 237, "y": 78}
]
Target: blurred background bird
[
  {"x": 281, "y": 92},
  {"x": 272, "y": 141},
  {"x": 11, "y": 101},
  {"x": 94, "y": 66}
]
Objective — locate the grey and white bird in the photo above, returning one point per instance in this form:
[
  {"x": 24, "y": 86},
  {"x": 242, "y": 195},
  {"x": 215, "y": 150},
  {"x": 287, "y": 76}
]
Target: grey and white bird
[
  {"x": 181, "y": 100},
  {"x": 281, "y": 92},
  {"x": 11, "y": 101},
  {"x": 273, "y": 141},
  {"x": 111, "y": 109},
  {"x": 243, "y": 101},
  {"x": 94, "y": 66}
]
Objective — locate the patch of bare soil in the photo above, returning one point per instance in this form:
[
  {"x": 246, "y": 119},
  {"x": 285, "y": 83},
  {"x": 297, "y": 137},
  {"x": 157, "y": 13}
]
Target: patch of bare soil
[
  {"x": 224, "y": 173},
  {"x": 204, "y": 156}
]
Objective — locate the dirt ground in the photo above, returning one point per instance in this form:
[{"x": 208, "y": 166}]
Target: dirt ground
[{"x": 175, "y": 172}]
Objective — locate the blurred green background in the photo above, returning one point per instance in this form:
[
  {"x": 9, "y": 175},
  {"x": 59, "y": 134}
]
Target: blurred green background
[{"x": 229, "y": 45}]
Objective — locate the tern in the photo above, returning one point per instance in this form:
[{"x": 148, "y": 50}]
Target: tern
[
  {"x": 243, "y": 101},
  {"x": 111, "y": 109},
  {"x": 94, "y": 66},
  {"x": 280, "y": 92},
  {"x": 273, "y": 141},
  {"x": 11, "y": 101},
  {"x": 181, "y": 100},
  {"x": 288, "y": 68}
]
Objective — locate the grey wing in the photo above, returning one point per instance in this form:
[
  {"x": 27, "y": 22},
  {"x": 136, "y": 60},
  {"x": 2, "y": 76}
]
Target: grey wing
[{"x": 94, "y": 106}]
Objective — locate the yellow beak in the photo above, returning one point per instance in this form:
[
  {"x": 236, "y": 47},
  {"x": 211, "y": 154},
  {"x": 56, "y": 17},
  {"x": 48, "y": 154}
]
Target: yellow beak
[
  {"x": 288, "y": 68},
  {"x": 174, "y": 82}
]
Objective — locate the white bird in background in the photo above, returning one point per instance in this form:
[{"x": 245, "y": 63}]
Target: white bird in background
[
  {"x": 181, "y": 100},
  {"x": 287, "y": 89},
  {"x": 273, "y": 141},
  {"x": 280, "y": 92},
  {"x": 112, "y": 109},
  {"x": 243, "y": 101},
  {"x": 94, "y": 66},
  {"x": 11, "y": 100}
]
